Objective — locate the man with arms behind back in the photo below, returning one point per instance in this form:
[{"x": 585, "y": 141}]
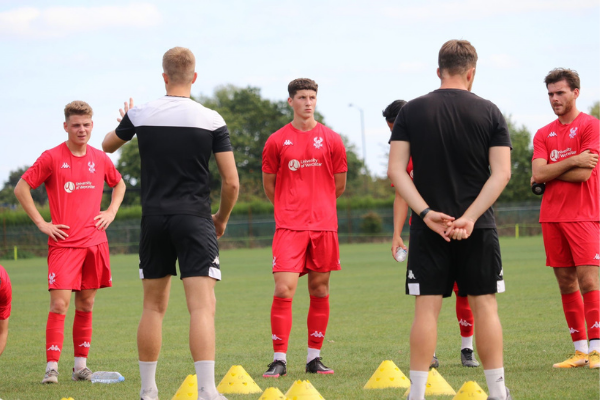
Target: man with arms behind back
[
  {"x": 176, "y": 137},
  {"x": 460, "y": 148}
]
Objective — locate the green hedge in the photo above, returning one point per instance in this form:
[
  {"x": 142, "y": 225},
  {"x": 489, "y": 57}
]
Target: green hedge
[{"x": 19, "y": 217}]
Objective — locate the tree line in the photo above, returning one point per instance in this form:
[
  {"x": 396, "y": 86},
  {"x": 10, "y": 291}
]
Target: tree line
[{"x": 251, "y": 119}]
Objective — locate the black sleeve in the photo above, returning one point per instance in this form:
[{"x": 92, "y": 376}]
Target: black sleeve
[
  {"x": 125, "y": 130},
  {"x": 501, "y": 135},
  {"x": 221, "y": 142},
  {"x": 399, "y": 132}
]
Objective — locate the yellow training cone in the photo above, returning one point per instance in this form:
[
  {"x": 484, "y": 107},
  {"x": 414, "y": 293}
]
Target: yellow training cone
[
  {"x": 436, "y": 385},
  {"x": 387, "y": 375},
  {"x": 188, "y": 389},
  {"x": 237, "y": 380},
  {"x": 65, "y": 398},
  {"x": 303, "y": 390},
  {"x": 272, "y": 393},
  {"x": 470, "y": 391}
]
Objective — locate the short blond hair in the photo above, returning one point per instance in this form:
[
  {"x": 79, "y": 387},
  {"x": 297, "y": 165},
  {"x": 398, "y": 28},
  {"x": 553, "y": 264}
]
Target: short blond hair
[
  {"x": 179, "y": 64},
  {"x": 78, "y": 107}
]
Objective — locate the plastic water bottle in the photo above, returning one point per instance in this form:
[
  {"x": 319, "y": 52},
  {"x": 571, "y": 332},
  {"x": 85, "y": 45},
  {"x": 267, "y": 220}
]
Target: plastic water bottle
[
  {"x": 400, "y": 254},
  {"x": 107, "y": 377}
]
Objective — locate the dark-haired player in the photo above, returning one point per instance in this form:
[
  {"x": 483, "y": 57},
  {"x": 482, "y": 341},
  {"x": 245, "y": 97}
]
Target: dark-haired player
[
  {"x": 565, "y": 157},
  {"x": 304, "y": 171}
]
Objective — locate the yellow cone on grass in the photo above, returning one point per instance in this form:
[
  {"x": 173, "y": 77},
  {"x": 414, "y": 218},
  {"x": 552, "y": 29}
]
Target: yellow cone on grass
[
  {"x": 303, "y": 390},
  {"x": 188, "y": 389},
  {"x": 67, "y": 398},
  {"x": 272, "y": 393},
  {"x": 387, "y": 375},
  {"x": 237, "y": 380},
  {"x": 436, "y": 385},
  {"x": 470, "y": 391}
]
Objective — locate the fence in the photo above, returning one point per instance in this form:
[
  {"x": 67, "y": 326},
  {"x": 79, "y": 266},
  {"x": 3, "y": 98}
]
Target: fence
[{"x": 355, "y": 226}]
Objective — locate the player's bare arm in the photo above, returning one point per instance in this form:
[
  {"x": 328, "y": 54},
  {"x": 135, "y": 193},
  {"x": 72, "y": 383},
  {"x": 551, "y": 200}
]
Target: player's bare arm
[
  {"x": 106, "y": 217},
  {"x": 400, "y": 213},
  {"x": 544, "y": 172},
  {"x": 269, "y": 186},
  {"x": 112, "y": 142},
  {"x": 3, "y": 334},
  {"x": 399, "y": 157},
  {"x": 499, "y": 158},
  {"x": 230, "y": 187},
  {"x": 23, "y": 194},
  {"x": 340, "y": 183}
]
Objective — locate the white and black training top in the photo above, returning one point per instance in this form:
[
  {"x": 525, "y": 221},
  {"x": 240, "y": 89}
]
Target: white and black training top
[{"x": 176, "y": 137}]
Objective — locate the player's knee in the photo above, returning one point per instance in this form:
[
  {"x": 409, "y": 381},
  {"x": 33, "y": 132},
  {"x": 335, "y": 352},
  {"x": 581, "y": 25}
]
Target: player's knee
[{"x": 59, "y": 306}]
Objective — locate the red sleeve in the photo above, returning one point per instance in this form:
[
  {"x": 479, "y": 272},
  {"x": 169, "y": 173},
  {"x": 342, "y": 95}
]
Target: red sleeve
[
  {"x": 111, "y": 175},
  {"x": 338, "y": 155},
  {"x": 39, "y": 171},
  {"x": 270, "y": 157},
  {"x": 591, "y": 137},
  {"x": 539, "y": 147}
]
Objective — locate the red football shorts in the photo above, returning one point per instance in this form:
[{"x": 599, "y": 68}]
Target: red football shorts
[
  {"x": 5, "y": 295},
  {"x": 72, "y": 268},
  {"x": 571, "y": 244},
  {"x": 303, "y": 251}
]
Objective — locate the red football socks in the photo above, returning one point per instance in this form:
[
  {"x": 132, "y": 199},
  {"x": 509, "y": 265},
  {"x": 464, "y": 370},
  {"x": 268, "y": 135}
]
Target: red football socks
[
  {"x": 318, "y": 317},
  {"x": 82, "y": 333},
  {"x": 591, "y": 305},
  {"x": 281, "y": 323},
  {"x": 55, "y": 334},
  {"x": 574, "y": 314},
  {"x": 464, "y": 315}
]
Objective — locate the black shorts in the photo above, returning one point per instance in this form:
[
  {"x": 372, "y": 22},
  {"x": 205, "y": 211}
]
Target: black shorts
[
  {"x": 434, "y": 264},
  {"x": 188, "y": 238}
]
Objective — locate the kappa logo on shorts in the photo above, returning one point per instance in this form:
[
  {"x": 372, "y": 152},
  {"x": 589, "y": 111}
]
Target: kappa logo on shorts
[
  {"x": 318, "y": 142},
  {"x": 216, "y": 260},
  {"x": 317, "y": 334},
  {"x": 51, "y": 278},
  {"x": 596, "y": 325},
  {"x": 573, "y": 330},
  {"x": 502, "y": 272},
  {"x": 274, "y": 337},
  {"x": 464, "y": 323},
  {"x": 411, "y": 275},
  {"x": 85, "y": 344},
  {"x": 597, "y": 256},
  {"x": 54, "y": 348}
]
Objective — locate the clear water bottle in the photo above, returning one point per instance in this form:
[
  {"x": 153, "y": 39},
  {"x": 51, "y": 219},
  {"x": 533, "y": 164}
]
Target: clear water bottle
[
  {"x": 400, "y": 254},
  {"x": 107, "y": 377}
]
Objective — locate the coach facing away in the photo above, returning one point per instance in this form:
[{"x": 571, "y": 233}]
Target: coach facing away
[
  {"x": 176, "y": 137},
  {"x": 460, "y": 149}
]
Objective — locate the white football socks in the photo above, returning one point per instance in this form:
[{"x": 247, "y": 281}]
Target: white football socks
[
  {"x": 594, "y": 346},
  {"x": 80, "y": 363},
  {"x": 148, "y": 377},
  {"x": 205, "y": 373},
  {"x": 418, "y": 383},
  {"x": 280, "y": 357},
  {"x": 582, "y": 346},
  {"x": 467, "y": 342},
  {"x": 495, "y": 382},
  {"x": 312, "y": 354},
  {"x": 52, "y": 365}
]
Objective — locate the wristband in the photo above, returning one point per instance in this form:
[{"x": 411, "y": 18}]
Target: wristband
[{"x": 423, "y": 213}]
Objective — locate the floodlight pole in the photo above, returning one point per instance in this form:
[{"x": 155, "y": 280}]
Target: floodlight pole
[{"x": 362, "y": 131}]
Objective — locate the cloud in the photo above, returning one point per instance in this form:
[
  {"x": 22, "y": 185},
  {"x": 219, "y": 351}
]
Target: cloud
[
  {"x": 500, "y": 61},
  {"x": 61, "y": 21}
]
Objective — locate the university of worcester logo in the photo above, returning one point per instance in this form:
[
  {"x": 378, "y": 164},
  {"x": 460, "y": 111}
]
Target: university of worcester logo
[{"x": 294, "y": 165}]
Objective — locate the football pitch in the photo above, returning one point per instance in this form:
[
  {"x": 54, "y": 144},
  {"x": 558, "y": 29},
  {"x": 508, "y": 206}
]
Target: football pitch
[{"x": 370, "y": 322}]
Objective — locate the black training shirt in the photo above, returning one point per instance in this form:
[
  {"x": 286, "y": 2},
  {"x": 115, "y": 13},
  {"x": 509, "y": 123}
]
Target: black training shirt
[
  {"x": 450, "y": 132},
  {"x": 176, "y": 137}
]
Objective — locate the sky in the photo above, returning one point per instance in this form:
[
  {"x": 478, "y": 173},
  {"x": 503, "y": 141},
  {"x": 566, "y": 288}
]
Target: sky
[{"x": 366, "y": 53}]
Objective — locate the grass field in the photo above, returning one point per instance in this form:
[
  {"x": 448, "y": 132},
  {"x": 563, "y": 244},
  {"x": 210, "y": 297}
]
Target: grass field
[{"x": 370, "y": 322}]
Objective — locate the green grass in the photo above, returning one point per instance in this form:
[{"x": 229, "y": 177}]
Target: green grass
[{"x": 370, "y": 322}]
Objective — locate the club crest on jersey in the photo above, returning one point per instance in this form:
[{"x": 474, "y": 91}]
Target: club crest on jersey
[
  {"x": 318, "y": 142},
  {"x": 69, "y": 187},
  {"x": 92, "y": 167},
  {"x": 294, "y": 165},
  {"x": 288, "y": 142},
  {"x": 573, "y": 132},
  {"x": 552, "y": 134}
]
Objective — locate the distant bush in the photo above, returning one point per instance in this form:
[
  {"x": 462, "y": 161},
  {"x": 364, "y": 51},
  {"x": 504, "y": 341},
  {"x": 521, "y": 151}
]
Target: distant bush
[{"x": 371, "y": 223}]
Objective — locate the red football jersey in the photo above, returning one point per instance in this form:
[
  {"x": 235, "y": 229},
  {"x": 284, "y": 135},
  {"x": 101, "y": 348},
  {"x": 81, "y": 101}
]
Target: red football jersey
[
  {"x": 5, "y": 294},
  {"x": 409, "y": 169},
  {"x": 305, "y": 164},
  {"x": 569, "y": 201},
  {"x": 74, "y": 186}
]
